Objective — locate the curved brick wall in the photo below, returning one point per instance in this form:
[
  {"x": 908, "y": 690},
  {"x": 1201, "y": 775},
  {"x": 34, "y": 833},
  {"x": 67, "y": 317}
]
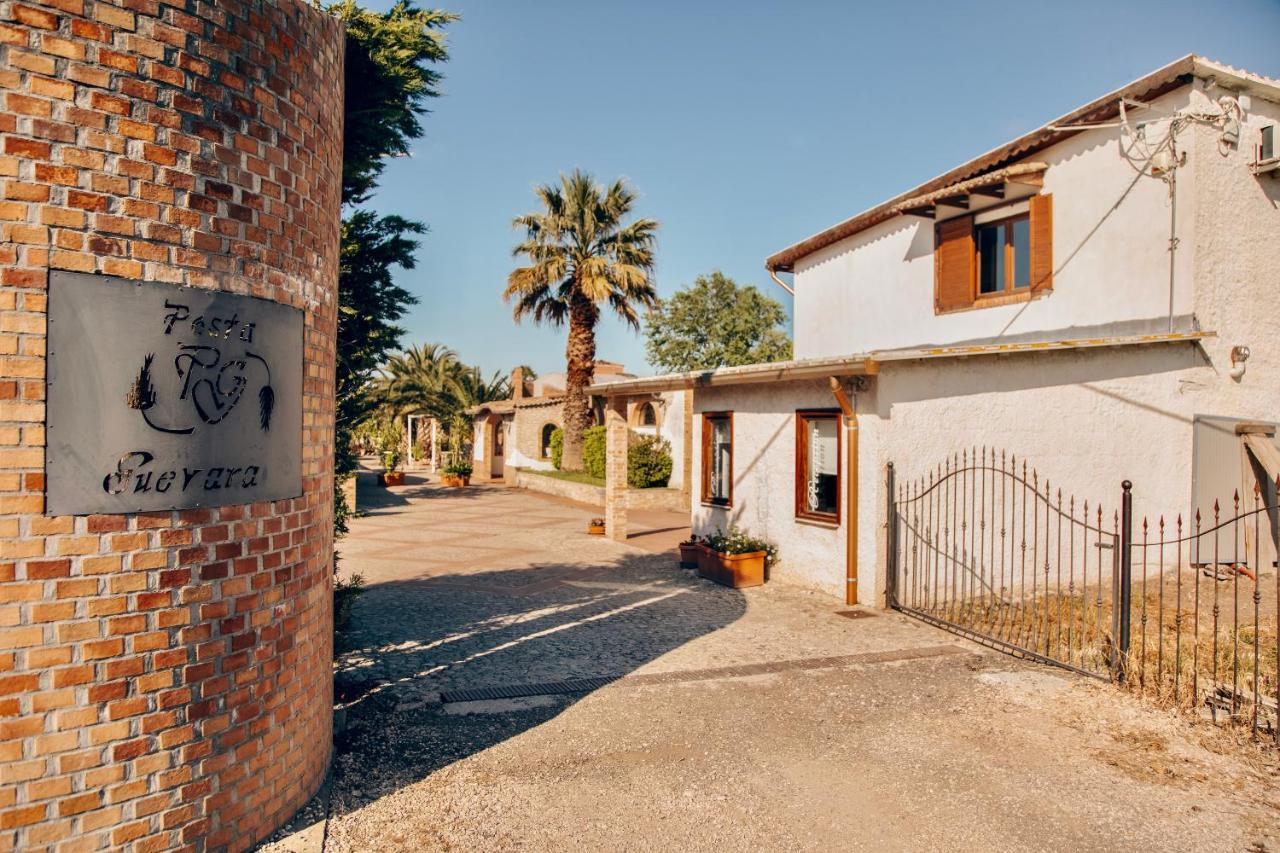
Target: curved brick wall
[{"x": 164, "y": 677}]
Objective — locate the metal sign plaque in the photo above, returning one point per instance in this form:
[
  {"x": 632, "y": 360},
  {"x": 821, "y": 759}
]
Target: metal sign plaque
[{"x": 167, "y": 397}]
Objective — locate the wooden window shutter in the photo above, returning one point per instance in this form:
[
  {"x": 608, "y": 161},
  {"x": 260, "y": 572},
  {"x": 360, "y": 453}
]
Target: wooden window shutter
[
  {"x": 953, "y": 264},
  {"x": 1042, "y": 242}
]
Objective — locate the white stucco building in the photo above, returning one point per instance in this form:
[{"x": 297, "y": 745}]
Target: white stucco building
[{"x": 1083, "y": 297}]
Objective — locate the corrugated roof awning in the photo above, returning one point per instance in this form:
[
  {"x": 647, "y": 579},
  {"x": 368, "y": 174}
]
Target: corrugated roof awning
[
  {"x": 957, "y": 195},
  {"x": 872, "y": 363}
]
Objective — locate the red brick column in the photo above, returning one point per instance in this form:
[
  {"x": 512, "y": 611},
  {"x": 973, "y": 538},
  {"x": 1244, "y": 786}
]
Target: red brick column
[{"x": 164, "y": 677}]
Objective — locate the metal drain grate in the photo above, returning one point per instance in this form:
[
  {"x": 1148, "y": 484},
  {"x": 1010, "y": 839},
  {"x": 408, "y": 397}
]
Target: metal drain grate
[
  {"x": 855, "y": 614},
  {"x": 517, "y": 691}
]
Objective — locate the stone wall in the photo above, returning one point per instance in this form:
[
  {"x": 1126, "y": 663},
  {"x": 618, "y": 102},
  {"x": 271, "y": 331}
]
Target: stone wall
[
  {"x": 666, "y": 500},
  {"x": 165, "y": 677},
  {"x": 526, "y": 434}
]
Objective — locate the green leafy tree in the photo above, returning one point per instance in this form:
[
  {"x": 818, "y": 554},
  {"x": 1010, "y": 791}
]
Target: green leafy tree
[
  {"x": 716, "y": 323},
  {"x": 582, "y": 254},
  {"x": 390, "y": 76},
  {"x": 389, "y": 79}
]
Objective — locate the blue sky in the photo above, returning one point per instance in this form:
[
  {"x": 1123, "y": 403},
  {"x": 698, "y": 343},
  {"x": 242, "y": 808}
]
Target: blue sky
[{"x": 745, "y": 126}]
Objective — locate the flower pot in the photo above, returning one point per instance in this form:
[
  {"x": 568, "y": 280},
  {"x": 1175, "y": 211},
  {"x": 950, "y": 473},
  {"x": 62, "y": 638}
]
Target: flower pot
[
  {"x": 391, "y": 478},
  {"x": 706, "y": 560},
  {"x": 595, "y": 527},
  {"x": 689, "y": 555},
  {"x": 455, "y": 481},
  {"x": 732, "y": 570}
]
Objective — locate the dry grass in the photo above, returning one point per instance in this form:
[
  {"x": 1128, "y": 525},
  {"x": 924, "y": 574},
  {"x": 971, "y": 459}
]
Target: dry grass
[{"x": 1228, "y": 666}]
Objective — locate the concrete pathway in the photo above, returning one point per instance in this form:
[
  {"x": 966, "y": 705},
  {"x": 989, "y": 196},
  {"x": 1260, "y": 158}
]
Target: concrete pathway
[{"x": 766, "y": 719}]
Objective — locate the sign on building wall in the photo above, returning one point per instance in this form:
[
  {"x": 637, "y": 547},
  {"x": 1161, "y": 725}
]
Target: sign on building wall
[{"x": 167, "y": 397}]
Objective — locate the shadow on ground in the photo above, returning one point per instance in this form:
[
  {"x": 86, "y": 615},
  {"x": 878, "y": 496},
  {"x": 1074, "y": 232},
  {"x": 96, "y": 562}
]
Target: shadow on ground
[{"x": 413, "y": 639}]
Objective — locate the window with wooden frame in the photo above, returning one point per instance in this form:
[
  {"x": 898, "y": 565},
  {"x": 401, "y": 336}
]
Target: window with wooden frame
[
  {"x": 994, "y": 259},
  {"x": 818, "y": 465},
  {"x": 717, "y": 458}
]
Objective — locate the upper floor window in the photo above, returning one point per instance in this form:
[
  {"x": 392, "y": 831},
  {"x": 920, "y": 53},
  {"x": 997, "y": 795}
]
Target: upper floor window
[
  {"x": 992, "y": 258},
  {"x": 717, "y": 458},
  {"x": 1004, "y": 255}
]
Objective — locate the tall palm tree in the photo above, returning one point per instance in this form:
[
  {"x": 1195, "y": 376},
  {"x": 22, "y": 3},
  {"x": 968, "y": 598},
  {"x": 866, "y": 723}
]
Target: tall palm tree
[{"x": 582, "y": 256}]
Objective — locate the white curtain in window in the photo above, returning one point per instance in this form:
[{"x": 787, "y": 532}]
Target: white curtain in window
[
  {"x": 822, "y": 459},
  {"x": 720, "y": 459}
]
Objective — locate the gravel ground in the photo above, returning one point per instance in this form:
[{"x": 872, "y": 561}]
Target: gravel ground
[{"x": 745, "y": 720}]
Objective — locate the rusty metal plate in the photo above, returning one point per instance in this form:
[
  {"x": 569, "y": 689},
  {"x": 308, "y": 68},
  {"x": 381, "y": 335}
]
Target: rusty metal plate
[{"x": 169, "y": 397}]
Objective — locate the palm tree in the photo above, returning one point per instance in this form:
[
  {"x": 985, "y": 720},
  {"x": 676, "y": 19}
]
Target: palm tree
[
  {"x": 582, "y": 256},
  {"x": 431, "y": 380},
  {"x": 416, "y": 380}
]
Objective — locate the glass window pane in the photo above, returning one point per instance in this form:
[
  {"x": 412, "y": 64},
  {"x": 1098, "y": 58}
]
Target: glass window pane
[
  {"x": 1021, "y": 252},
  {"x": 822, "y": 474},
  {"x": 721, "y": 455},
  {"x": 990, "y": 259}
]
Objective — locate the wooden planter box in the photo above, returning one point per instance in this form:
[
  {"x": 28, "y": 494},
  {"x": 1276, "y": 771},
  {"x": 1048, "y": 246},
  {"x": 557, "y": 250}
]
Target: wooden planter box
[
  {"x": 391, "y": 478},
  {"x": 455, "y": 481},
  {"x": 732, "y": 570},
  {"x": 689, "y": 555},
  {"x": 595, "y": 529}
]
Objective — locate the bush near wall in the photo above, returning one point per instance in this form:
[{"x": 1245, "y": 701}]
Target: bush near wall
[
  {"x": 593, "y": 451},
  {"x": 648, "y": 462},
  {"x": 557, "y": 447}
]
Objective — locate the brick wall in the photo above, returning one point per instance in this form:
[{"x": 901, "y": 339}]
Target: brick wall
[{"x": 164, "y": 677}]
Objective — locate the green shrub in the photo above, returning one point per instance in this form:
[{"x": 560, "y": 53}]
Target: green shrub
[
  {"x": 557, "y": 447},
  {"x": 593, "y": 451},
  {"x": 458, "y": 469},
  {"x": 648, "y": 462}
]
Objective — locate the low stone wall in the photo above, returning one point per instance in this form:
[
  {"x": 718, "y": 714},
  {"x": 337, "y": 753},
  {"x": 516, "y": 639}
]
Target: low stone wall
[
  {"x": 643, "y": 499},
  {"x": 667, "y": 500}
]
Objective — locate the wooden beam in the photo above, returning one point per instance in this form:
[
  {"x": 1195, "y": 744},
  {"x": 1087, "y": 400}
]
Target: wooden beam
[
  {"x": 960, "y": 201},
  {"x": 991, "y": 191},
  {"x": 1035, "y": 180},
  {"x": 928, "y": 211}
]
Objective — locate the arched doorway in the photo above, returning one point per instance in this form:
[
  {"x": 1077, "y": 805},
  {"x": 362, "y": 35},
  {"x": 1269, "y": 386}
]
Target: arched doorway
[{"x": 498, "y": 441}]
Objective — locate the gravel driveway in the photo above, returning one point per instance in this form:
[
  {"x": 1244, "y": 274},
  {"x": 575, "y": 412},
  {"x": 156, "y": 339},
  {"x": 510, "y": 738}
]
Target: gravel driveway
[{"x": 759, "y": 719}]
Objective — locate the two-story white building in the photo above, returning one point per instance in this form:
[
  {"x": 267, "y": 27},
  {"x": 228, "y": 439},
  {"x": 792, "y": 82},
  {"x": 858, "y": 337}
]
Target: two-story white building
[{"x": 1088, "y": 297}]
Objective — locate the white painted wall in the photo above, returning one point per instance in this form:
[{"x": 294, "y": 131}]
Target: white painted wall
[
  {"x": 874, "y": 290},
  {"x": 479, "y": 450},
  {"x": 764, "y": 479},
  {"x": 671, "y": 427}
]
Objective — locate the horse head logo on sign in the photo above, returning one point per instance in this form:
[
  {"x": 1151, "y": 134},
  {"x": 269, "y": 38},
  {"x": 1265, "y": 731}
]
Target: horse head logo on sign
[{"x": 213, "y": 375}]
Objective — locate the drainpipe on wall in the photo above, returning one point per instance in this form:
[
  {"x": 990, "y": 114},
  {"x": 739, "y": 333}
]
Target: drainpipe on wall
[
  {"x": 1173, "y": 232},
  {"x": 849, "y": 409},
  {"x": 774, "y": 275}
]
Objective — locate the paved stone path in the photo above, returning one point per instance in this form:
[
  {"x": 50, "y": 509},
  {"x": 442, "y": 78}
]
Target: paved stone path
[{"x": 737, "y": 720}]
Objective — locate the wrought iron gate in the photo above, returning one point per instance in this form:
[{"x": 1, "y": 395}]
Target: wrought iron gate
[{"x": 984, "y": 547}]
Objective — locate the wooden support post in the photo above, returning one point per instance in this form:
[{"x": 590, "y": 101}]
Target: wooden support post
[{"x": 615, "y": 475}]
